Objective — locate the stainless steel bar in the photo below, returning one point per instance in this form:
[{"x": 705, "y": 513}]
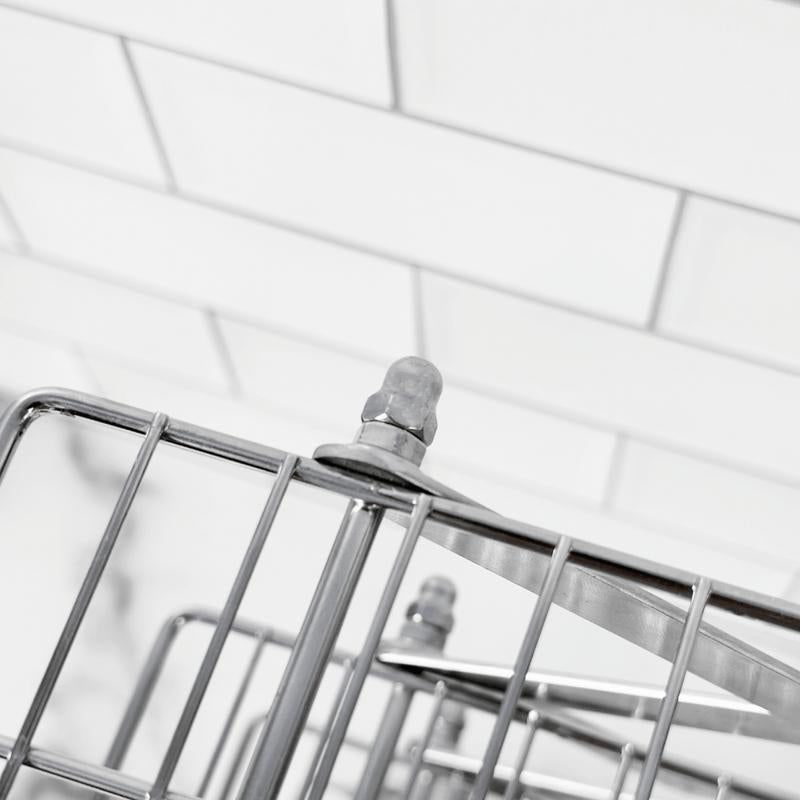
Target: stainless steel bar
[
  {"x": 556, "y": 788},
  {"x": 370, "y": 647},
  {"x": 383, "y": 749},
  {"x": 223, "y": 627},
  {"x": 325, "y": 733},
  {"x": 705, "y": 711},
  {"x": 102, "y": 779},
  {"x": 315, "y": 642},
  {"x": 677, "y": 674},
  {"x": 625, "y": 760},
  {"x": 531, "y": 726},
  {"x": 439, "y": 694},
  {"x": 230, "y": 718},
  {"x": 81, "y": 604},
  {"x": 508, "y": 707},
  {"x": 446, "y": 512}
]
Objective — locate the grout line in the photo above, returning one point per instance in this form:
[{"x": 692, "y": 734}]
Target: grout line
[
  {"x": 666, "y": 261},
  {"x": 393, "y": 53},
  {"x": 21, "y": 243},
  {"x": 418, "y": 306},
  {"x": 147, "y": 111},
  {"x": 615, "y": 471},
  {"x": 386, "y": 255},
  {"x": 416, "y": 117},
  {"x": 224, "y": 352},
  {"x": 582, "y": 420},
  {"x": 86, "y": 366}
]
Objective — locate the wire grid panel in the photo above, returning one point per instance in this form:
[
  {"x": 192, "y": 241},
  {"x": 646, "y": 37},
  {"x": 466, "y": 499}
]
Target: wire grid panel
[{"x": 560, "y": 571}]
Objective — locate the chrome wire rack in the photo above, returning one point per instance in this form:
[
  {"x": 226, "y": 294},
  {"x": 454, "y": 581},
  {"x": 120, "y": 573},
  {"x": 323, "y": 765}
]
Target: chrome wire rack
[{"x": 657, "y": 608}]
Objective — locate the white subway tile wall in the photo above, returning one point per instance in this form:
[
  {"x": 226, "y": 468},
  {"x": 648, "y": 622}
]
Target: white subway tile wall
[
  {"x": 587, "y": 214},
  {"x": 337, "y": 45},
  {"x": 69, "y": 92},
  {"x": 735, "y": 283},
  {"x": 694, "y": 93},
  {"x": 204, "y": 257},
  {"x": 402, "y": 188}
]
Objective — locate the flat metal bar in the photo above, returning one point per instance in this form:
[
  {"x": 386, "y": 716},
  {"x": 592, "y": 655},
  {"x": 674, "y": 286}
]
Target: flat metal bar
[
  {"x": 721, "y": 713},
  {"x": 513, "y": 692},
  {"x": 439, "y": 694},
  {"x": 370, "y": 647},
  {"x": 316, "y": 639},
  {"x": 327, "y": 728},
  {"x": 531, "y": 726},
  {"x": 223, "y": 627},
  {"x": 677, "y": 674},
  {"x": 231, "y": 716},
  {"x": 81, "y": 604},
  {"x": 625, "y": 760}
]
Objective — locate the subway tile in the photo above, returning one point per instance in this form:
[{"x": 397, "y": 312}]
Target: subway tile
[
  {"x": 734, "y": 282},
  {"x": 8, "y": 237},
  {"x": 328, "y": 389},
  {"x": 338, "y": 46},
  {"x": 724, "y": 507},
  {"x": 250, "y": 420},
  {"x": 72, "y": 308},
  {"x": 68, "y": 91},
  {"x": 213, "y": 259},
  {"x": 614, "y": 377},
  {"x": 29, "y": 363},
  {"x": 492, "y": 437},
  {"x": 693, "y": 92},
  {"x": 484, "y": 211},
  {"x": 656, "y": 542}
]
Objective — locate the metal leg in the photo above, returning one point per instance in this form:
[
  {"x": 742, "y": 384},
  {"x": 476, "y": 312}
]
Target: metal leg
[
  {"x": 307, "y": 663},
  {"x": 517, "y": 683},
  {"x": 371, "y": 643},
  {"x": 658, "y": 740},
  {"x": 78, "y": 611},
  {"x": 625, "y": 761},
  {"x": 221, "y": 631},
  {"x": 724, "y": 786},
  {"x": 419, "y": 750},
  {"x": 512, "y": 789}
]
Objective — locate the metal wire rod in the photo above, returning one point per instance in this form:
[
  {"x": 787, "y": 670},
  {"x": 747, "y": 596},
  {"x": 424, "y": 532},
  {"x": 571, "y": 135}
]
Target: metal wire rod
[
  {"x": 325, "y": 733},
  {"x": 532, "y": 725},
  {"x": 370, "y": 647},
  {"x": 440, "y": 692},
  {"x": 625, "y": 760},
  {"x": 513, "y": 692},
  {"x": 677, "y": 674},
  {"x": 315, "y": 641},
  {"x": 22, "y": 744},
  {"x": 223, "y": 627},
  {"x": 230, "y": 719}
]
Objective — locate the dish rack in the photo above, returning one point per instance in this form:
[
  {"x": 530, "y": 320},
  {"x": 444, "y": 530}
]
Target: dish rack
[{"x": 655, "y": 607}]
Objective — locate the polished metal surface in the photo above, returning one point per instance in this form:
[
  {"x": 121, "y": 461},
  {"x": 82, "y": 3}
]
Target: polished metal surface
[
  {"x": 380, "y": 475},
  {"x": 550, "y": 690}
]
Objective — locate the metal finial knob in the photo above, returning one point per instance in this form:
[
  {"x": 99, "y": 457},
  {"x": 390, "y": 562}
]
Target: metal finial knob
[
  {"x": 408, "y": 398},
  {"x": 429, "y": 618}
]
